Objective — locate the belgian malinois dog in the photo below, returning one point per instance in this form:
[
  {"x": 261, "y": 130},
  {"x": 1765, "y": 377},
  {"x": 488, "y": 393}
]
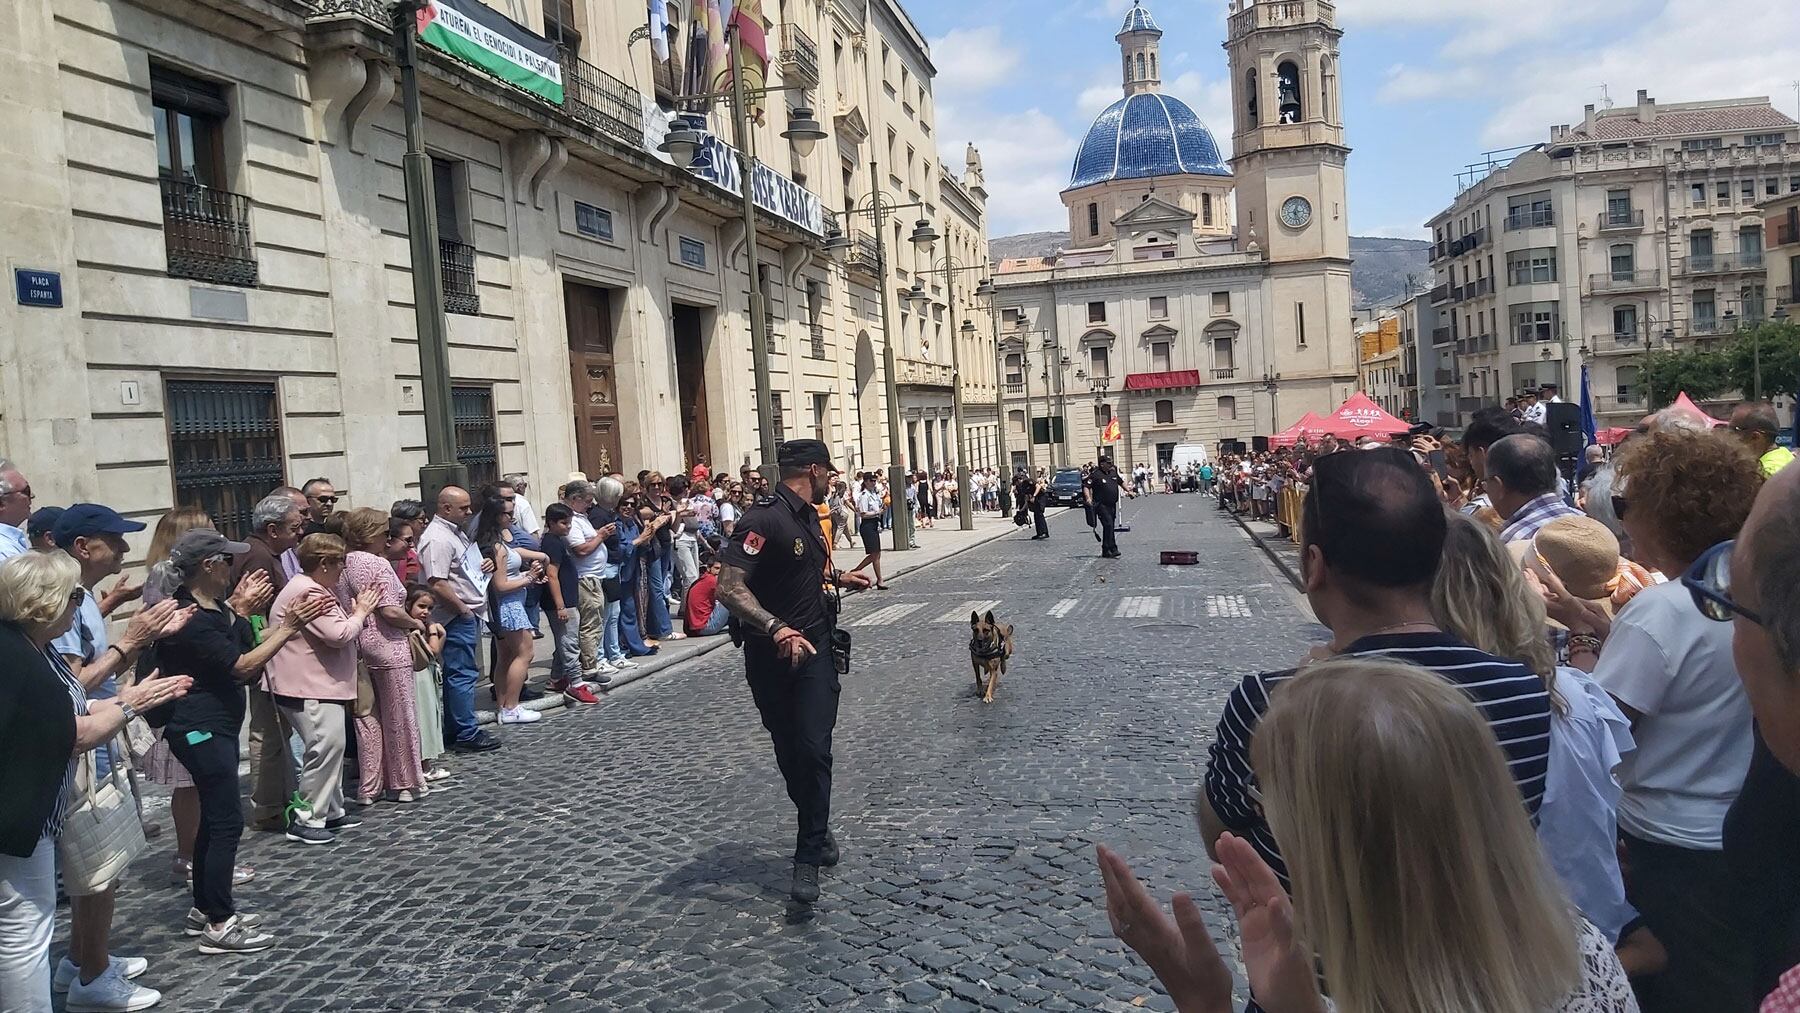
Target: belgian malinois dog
[{"x": 990, "y": 644}]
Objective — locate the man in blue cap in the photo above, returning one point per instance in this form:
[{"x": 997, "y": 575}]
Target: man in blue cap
[{"x": 40, "y": 530}]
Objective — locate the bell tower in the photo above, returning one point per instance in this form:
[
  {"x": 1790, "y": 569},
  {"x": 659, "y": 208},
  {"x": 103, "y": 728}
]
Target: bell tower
[{"x": 1288, "y": 160}]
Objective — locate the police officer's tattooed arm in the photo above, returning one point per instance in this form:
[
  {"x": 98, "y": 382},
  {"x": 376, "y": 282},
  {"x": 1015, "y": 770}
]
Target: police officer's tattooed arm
[{"x": 734, "y": 594}]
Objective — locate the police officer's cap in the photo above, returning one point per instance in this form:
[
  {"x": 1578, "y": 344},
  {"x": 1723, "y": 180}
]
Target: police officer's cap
[{"x": 800, "y": 453}]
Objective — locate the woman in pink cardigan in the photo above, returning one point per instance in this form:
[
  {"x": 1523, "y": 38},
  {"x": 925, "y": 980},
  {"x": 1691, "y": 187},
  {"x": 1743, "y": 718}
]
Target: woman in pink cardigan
[{"x": 313, "y": 679}]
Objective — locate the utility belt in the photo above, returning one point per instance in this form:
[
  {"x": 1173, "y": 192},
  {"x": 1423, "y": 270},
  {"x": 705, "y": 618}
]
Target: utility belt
[{"x": 826, "y": 636}]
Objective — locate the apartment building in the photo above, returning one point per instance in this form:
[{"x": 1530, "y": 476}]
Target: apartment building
[
  {"x": 1638, "y": 228},
  {"x": 213, "y": 192}
]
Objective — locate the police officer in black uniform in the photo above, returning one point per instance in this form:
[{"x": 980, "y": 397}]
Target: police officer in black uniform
[
  {"x": 1102, "y": 490},
  {"x": 774, "y": 569}
]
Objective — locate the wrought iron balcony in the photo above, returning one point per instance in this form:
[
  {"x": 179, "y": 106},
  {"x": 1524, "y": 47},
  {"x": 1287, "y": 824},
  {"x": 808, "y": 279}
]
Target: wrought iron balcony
[
  {"x": 1440, "y": 294},
  {"x": 457, "y": 261},
  {"x": 1629, "y": 220},
  {"x": 1444, "y": 377},
  {"x": 1530, "y": 219},
  {"x": 207, "y": 231},
  {"x": 601, "y": 100},
  {"x": 863, "y": 255},
  {"x": 1625, "y": 281},
  {"x": 376, "y": 11},
  {"x": 799, "y": 55},
  {"x": 1723, "y": 263},
  {"x": 1440, "y": 335}
]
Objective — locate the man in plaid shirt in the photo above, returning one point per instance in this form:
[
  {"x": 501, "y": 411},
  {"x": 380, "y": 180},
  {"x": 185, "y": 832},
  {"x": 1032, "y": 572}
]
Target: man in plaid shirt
[{"x": 1521, "y": 482}]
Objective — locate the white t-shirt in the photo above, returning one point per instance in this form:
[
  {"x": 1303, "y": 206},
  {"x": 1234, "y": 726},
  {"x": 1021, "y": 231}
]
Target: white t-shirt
[
  {"x": 868, "y": 504},
  {"x": 580, "y": 533},
  {"x": 524, "y": 515},
  {"x": 1674, "y": 666}
]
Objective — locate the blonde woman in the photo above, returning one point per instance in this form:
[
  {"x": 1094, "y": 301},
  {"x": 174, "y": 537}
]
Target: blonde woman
[
  {"x": 1417, "y": 879},
  {"x": 1481, "y": 595}
]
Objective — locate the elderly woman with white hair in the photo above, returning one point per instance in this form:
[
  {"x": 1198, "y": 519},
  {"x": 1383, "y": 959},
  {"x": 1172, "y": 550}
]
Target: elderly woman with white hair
[{"x": 46, "y": 721}]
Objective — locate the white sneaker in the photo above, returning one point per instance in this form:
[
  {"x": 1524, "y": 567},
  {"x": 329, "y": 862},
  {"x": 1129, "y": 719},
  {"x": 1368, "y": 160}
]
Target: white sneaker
[
  {"x": 623, "y": 663},
  {"x": 109, "y": 993},
  {"x": 437, "y": 774},
  {"x": 518, "y": 716},
  {"x": 67, "y": 972}
]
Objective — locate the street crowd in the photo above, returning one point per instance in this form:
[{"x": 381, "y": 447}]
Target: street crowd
[
  {"x": 1547, "y": 761},
  {"x": 1613, "y": 643}
]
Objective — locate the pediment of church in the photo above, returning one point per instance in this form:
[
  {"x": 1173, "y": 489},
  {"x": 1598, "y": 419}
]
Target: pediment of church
[{"x": 1154, "y": 211}]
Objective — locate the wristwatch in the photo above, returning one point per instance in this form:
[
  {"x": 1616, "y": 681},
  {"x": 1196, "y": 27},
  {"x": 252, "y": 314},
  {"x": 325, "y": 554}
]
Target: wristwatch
[
  {"x": 129, "y": 711},
  {"x": 775, "y": 626}
]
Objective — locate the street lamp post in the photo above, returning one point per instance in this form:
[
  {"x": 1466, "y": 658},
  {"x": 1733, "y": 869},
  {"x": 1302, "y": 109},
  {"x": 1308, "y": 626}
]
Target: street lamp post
[
  {"x": 987, "y": 289},
  {"x": 441, "y": 465},
  {"x": 950, "y": 268},
  {"x": 681, "y": 144},
  {"x": 1780, "y": 316},
  {"x": 1271, "y": 382}
]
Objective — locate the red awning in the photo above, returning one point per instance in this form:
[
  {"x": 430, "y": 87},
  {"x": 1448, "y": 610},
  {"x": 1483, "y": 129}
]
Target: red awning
[
  {"x": 1163, "y": 381},
  {"x": 1359, "y": 417}
]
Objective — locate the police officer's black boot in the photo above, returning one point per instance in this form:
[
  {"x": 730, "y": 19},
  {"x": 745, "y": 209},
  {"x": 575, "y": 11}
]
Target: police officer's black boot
[
  {"x": 829, "y": 857},
  {"x": 805, "y": 888}
]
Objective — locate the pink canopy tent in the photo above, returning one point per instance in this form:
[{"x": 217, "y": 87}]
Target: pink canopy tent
[
  {"x": 1309, "y": 427},
  {"x": 1359, "y": 417},
  {"x": 1609, "y": 437},
  {"x": 1686, "y": 404}
]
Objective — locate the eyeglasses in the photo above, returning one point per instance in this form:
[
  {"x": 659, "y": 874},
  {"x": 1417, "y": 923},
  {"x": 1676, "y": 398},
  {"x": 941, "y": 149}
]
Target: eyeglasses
[
  {"x": 77, "y": 596},
  {"x": 1709, "y": 582},
  {"x": 1618, "y": 506},
  {"x": 327, "y": 500},
  {"x": 25, "y": 492}
]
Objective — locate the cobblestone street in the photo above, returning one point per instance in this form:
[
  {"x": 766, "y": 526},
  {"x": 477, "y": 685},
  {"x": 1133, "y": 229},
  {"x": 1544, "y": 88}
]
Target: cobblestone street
[{"x": 634, "y": 855}]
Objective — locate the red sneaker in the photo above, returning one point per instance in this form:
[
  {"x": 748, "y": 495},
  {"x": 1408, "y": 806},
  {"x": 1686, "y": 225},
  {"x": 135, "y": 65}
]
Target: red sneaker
[{"x": 580, "y": 694}]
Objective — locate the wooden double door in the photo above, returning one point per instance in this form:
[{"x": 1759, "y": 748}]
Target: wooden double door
[{"x": 589, "y": 320}]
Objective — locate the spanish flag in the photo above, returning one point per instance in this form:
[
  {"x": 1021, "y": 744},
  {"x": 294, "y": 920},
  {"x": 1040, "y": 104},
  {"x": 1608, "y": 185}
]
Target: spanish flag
[{"x": 1110, "y": 433}]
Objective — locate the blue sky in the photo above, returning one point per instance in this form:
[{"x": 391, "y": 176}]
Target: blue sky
[{"x": 1428, "y": 84}]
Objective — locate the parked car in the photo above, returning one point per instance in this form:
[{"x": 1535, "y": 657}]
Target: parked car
[{"x": 1065, "y": 487}]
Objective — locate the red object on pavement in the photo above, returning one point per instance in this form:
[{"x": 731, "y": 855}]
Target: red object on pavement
[
  {"x": 1180, "y": 557},
  {"x": 1359, "y": 417}
]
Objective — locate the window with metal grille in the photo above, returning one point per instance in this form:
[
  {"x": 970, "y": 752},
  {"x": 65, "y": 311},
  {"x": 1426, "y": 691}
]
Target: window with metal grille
[
  {"x": 205, "y": 226},
  {"x": 224, "y": 447},
  {"x": 776, "y": 413},
  {"x": 477, "y": 441},
  {"x": 456, "y": 258}
]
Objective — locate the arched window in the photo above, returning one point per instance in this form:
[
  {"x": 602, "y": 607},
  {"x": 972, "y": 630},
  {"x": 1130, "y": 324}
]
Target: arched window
[
  {"x": 1165, "y": 412},
  {"x": 1153, "y": 66},
  {"x": 1140, "y": 67},
  {"x": 1102, "y": 415},
  {"x": 1250, "y": 96},
  {"x": 1227, "y": 409},
  {"x": 1093, "y": 219},
  {"x": 1015, "y": 423},
  {"x": 1015, "y": 368},
  {"x": 1206, "y": 209},
  {"x": 1287, "y": 81},
  {"x": 1327, "y": 86}
]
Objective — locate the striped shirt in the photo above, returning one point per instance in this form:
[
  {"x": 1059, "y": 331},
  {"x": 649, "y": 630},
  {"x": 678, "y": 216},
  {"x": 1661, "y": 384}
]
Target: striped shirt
[
  {"x": 1512, "y": 698},
  {"x": 1531, "y": 518},
  {"x": 77, "y": 697}
]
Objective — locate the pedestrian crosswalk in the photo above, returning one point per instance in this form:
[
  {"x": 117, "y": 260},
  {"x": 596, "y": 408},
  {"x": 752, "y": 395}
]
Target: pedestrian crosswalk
[
  {"x": 1227, "y": 606},
  {"x": 887, "y": 615},
  {"x": 1062, "y": 608},
  {"x": 960, "y": 614},
  {"x": 1139, "y": 607}
]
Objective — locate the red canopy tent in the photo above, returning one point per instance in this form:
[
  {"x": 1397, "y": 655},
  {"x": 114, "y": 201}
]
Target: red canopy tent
[
  {"x": 1609, "y": 437},
  {"x": 1309, "y": 427},
  {"x": 1359, "y": 417},
  {"x": 1686, "y": 404}
]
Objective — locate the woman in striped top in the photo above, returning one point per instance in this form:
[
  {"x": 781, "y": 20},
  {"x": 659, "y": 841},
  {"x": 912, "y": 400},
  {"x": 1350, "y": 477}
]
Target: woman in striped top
[{"x": 46, "y": 721}]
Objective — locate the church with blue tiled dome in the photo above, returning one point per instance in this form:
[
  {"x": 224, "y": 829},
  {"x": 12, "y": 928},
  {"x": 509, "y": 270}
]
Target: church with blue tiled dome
[{"x": 1201, "y": 298}]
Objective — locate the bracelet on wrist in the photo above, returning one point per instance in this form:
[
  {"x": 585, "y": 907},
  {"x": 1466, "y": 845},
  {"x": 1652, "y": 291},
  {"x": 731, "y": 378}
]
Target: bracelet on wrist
[{"x": 1584, "y": 642}]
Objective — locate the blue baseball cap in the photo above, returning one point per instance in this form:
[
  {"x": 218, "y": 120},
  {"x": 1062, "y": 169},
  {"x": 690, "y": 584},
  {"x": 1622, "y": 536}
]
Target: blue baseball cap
[
  {"x": 43, "y": 522},
  {"x": 87, "y": 519}
]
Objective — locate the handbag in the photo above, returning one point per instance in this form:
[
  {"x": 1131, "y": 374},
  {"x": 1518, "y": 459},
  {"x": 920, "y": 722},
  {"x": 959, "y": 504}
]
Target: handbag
[
  {"x": 102, "y": 833},
  {"x": 613, "y": 589},
  {"x": 421, "y": 650},
  {"x": 364, "y": 704}
]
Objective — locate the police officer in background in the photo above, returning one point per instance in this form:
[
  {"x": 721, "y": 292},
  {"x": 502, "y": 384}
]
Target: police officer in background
[
  {"x": 1101, "y": 487},
  {"x": 780, "y": 615}
]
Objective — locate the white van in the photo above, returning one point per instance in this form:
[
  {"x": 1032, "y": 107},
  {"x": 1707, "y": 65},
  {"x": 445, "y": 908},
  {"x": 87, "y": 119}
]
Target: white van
[{"x": 1188, "y": 454}]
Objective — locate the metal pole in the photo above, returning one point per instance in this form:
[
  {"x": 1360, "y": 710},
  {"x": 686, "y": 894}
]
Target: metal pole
[
  {"x": 1649, "y": 387},
  {"x": 1030, "y": 427},
  {"x": 1756, "y": 357},
  {"x": 896, "y": 471},
  {"x": 759, "y": 324},
  {"x": 441, "y": 466},
  {"x": 1006, "y": 468},
  {"x": 965, "y": 510}
]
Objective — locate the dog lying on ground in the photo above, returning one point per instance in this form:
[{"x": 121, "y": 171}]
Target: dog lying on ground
[{"x": 990, "y": 644}]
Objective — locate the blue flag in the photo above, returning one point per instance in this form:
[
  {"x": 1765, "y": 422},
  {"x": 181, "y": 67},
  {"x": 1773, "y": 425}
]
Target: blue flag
[{"x": 1588, "y": 428}]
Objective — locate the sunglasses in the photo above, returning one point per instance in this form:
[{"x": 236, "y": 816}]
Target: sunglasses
[
  {"x": 1618, "y": 506},
  {"x": 327, "y": 500},
  {"x": 1708, "y": 581},
  {"x": 77, "y": 596}
]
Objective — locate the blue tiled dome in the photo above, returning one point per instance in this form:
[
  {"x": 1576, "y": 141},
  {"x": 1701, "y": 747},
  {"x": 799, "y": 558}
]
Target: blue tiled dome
[
  {"x": 1137, "y": 19},
  {"x": 1146, "y": 135}
]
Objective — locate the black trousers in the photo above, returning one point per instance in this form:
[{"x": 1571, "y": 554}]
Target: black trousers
[
  {"x": 799, "y": 708},
  {"x": 213, "y": 765},
  {"x": 1037, "y": 518},
  {"x": 1108, "y": 518},
  {"x": 1691, "y": 901}
]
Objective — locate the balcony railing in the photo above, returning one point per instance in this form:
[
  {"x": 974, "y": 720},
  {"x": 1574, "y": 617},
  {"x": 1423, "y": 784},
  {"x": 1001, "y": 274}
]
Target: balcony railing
[
  {"x": 1014, "y": 387},
  {"x": 207, "y": 231},
  {"x": 1475, "y": 345},
  {"x": 1530, "y": 219},
  {"x": 1409, "y": 379},
  {"x": 1625, "y": 400},
  {"x": 1625, "y": 281},
  {"x": 799, "y": 55},
  {"x": 1440, "y": 335},
  {"x": 457, "y": 261},
  {"x": 1784, "y": 295},
  {"x": 1631, "y": 220},
  {"x": 1440, "y": 294},
  {"x": 601, "y": 100},
  {"x": 1626, "y": 341},
  {"x": 1786, "y": 235},
  {"x": 921, "y": 373},
  {"x": 863, "y": 255},
  {"x": 1467, "y": 404},
  {"x": 1225, "y": 373},
  {"x": 815, "y": 348},
  {"x": 1723, "y": 263},
  {"x": 1444, "y": 377}
]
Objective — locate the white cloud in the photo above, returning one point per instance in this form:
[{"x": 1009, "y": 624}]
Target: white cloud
[
  {"x": 971, "y": 60},
  {"x": 1027, "y": 156},
  {"x": 1688, "y": 50},
  {"x": 1098, "y": 96},
  {"x": 1210, "y": 100},
  {"x": 1395, "y": 232}
]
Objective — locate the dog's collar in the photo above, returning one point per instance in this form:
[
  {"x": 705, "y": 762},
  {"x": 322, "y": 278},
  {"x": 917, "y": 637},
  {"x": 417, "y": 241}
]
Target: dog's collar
[{"x": 982, "y": 649}]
